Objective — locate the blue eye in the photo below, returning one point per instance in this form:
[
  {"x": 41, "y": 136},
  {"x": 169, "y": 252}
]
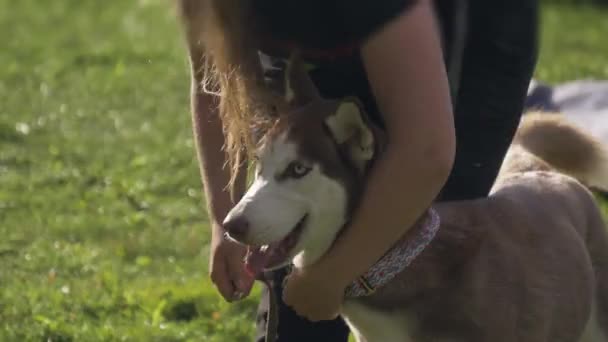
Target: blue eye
[{"x": 297, "y": 170}]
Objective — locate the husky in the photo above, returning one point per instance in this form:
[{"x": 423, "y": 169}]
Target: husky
[{"x": 528, "y": 263}]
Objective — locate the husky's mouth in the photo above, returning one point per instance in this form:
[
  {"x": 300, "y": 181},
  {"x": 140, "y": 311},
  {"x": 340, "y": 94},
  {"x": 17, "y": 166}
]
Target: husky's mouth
[{"x": 260, "y": 258}]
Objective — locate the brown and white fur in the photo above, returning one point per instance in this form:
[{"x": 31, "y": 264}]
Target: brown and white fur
[{"x": 529, "y": 263}]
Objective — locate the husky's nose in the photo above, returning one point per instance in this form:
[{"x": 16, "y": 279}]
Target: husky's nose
[{"x": 237, "y": 227}]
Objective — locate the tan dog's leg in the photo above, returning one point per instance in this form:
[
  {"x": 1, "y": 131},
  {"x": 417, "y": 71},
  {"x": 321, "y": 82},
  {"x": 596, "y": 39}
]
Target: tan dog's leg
[{"x": 597, "y": 244}]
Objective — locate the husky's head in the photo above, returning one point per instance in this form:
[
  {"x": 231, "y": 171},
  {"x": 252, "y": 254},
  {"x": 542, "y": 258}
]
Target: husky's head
[{"x": 310, "y": 170}]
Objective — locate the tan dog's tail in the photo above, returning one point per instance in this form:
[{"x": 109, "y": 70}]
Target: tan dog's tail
[{"x": 565, "y": 147}]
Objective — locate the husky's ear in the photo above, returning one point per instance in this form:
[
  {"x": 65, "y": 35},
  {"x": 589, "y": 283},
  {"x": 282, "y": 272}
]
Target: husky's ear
[
  {"x": 299, "y": 88},
  {"x": 351, "y": 130}
]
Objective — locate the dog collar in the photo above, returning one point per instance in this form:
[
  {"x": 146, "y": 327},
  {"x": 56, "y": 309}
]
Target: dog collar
[{"x": 396, "y": 259}]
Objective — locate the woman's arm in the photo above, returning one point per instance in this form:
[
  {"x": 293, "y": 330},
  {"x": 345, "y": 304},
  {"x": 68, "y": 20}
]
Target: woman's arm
[
  {"x": 206, "y": 122},
  {"x": 226, "y": 267},
  {"x": 207, "y": 127},
  {"x": 406, "y": 70}
]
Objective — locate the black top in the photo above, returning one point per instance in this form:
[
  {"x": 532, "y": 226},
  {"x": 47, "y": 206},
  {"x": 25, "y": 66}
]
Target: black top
[
  {"x": 329, "y": 34},
  {"x": 325, "y": 24}
]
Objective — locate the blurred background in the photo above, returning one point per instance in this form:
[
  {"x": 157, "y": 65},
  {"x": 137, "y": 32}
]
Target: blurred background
[{"x": 103, "y": 236}]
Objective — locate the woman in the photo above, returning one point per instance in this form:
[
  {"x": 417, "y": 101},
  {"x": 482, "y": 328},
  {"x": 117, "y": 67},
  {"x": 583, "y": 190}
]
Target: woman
[{"x": 445, "y": 143}]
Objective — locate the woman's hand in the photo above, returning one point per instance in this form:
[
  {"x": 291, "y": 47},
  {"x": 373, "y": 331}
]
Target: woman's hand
[
  {"x": 227, "y": 269},
  {"x": 313, "y": 294}
]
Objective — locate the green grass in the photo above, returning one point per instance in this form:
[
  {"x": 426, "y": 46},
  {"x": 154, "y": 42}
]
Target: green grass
[{"x": 103, "y": 230}]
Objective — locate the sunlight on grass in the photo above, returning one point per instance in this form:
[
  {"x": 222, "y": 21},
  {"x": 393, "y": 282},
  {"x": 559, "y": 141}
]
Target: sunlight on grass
[
  {"x": 101, "y": 213},
  {"x": 573, "y": 44}
]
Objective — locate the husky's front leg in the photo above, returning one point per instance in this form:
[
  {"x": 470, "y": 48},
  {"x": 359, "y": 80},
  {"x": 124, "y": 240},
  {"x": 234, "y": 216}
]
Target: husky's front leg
[{"x": 370, "y": 325}]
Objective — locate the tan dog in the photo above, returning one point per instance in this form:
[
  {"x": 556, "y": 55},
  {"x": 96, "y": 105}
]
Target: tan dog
[
  {"x": 546, "y": 141},
  {"x": 528, "y": 263}
]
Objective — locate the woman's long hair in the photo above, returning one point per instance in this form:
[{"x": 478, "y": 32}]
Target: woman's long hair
[{"x": 224, "y": 33}]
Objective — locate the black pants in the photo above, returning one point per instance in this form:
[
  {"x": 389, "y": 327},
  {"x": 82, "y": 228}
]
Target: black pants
[{"x": 498, "y": 59}]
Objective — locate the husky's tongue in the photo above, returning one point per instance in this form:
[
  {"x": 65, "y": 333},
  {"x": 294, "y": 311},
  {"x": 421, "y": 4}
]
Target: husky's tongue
[
  {"x": 268, "y": 256},
  {"x": 258, "y": 258}
]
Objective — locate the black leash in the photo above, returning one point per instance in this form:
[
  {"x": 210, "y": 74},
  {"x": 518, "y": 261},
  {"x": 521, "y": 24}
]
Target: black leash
[{"x": 272, "y": 315}]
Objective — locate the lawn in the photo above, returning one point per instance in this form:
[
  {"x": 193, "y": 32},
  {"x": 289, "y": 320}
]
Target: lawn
[{"x": 104, "y": 236}]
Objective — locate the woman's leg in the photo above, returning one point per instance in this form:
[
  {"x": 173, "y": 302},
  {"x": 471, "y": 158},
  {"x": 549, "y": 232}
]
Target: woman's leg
[{"x": 498, "y": 61}]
